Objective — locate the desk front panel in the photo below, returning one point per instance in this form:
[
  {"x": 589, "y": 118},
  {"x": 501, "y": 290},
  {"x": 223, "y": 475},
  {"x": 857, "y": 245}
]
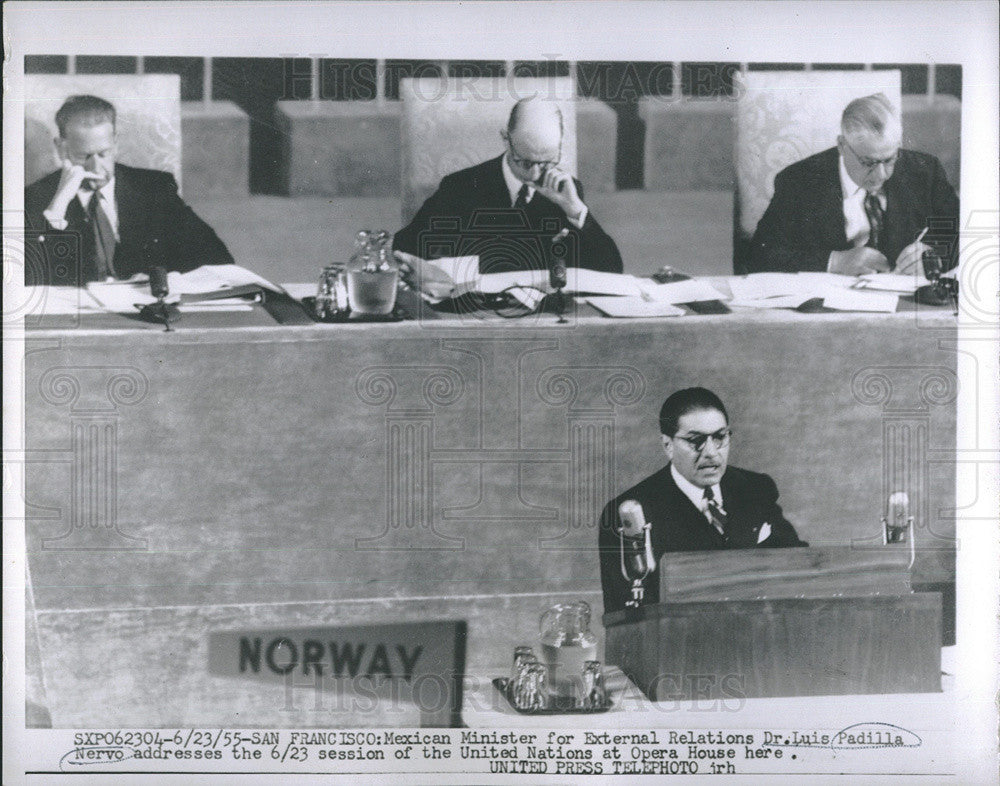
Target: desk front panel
[{"x": 176, "y": 482}]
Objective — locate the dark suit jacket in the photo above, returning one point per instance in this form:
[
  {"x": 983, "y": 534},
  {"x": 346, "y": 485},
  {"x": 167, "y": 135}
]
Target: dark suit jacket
[
  {"x": 470, "y": 213},
  {"x": 805, "y": 220},
  {"x": 750, "y": 500},
  {"x": 155, "y": 227}
]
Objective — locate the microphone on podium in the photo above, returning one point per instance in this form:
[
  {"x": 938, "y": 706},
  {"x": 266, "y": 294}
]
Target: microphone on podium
[
  {"x": 636, "y": 548},
  {"x": 160, "y": 311},
  {"x": 897, "y": 523}
]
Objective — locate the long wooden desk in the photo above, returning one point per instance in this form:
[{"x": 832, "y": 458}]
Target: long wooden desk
[{"x": 218, "y": 477}]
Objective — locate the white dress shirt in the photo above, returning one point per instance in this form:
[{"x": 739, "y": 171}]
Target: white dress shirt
[
  {"x": 697, "y": 494},
  {"x": 856, "y": 225},
  {"x": 514, "y": 188},
  {"x": 84, "y": 195}
]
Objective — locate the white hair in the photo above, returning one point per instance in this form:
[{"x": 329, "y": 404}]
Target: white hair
[{"x": 872, "y": 116}]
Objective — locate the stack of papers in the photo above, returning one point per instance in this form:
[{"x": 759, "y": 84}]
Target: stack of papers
[
  {"x": 691, "y": 290},
  {"x": 853, "y": 300},
  {"x": 633, "y": 307},
  {"x": 615, "y": 294},
  {"x": 791, "y": 290},
  {"x": 125, "y": 296},
  {"x": 906, "y": 283}
]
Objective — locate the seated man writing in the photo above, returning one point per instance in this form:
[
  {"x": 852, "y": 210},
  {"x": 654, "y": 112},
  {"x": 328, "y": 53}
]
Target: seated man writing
[
  {"x": 510, "y": 211},
  {"x": 697, "y": 502},
  {"x": 863, "y": 206},
  {"x": 121, "y": 220}
]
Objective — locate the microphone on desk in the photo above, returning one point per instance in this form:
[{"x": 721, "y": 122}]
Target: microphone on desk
[
  {"x": 943, "y": 289},
  {"x": 158, "y": 285},
  {"x": 160, "y": 311},
  {"x": 557, "y": 274},
  {"x": 635, "y": 548}
]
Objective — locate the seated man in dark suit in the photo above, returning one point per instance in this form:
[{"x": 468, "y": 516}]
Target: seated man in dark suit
[
  {"x": 860, "y": 207},
  {"x": 95, "y": 219},
  {"x": 697, "y": 502},
  {"x": 509, "y": 210}
]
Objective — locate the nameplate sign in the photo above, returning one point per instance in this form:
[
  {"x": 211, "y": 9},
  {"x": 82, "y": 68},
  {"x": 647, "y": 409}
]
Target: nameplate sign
[{"x": 418, "y": 662}]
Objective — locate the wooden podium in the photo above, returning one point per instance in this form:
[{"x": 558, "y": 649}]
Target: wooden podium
[{"x": 781, "y": 622}]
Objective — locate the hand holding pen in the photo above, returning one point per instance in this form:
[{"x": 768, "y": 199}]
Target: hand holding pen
[{"x": 912, "y": 254}]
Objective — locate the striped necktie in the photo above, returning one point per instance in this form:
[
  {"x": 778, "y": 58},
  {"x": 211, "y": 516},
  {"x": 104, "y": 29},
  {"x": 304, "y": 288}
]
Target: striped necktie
[
  {"x": 104, "y": 237},
  {"x": 717, "y": 517},
  {"x": 876, "y": 218}
]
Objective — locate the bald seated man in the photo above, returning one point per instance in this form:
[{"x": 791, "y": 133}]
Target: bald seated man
[
  {"x": 510, "y": 210},
  {"x": 860, "y": 207}
]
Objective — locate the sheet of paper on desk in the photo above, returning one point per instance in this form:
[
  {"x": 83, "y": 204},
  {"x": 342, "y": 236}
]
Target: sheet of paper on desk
[
  {"x": 693, "y": 290},
  {"x": 209, "y": 278},
  {"x": 43, "y": 301},
  {"x": 300, "y": 290},
  {"x": 596, "y": 282},
  {"x": 494, "y": 283},
  {"x": 782, "y": 301},
  {"x": 462, "y": 270},
  {"x": 221, "y": 304},
  {"x": 906, "y": 283},
  {"x": 766, "y": 286},
  {"x": 123, "y": 296},
  {"x": 853, "y": 300},
  {"x": 815, "y": 282},
  {"x": 623, "y": 307}
]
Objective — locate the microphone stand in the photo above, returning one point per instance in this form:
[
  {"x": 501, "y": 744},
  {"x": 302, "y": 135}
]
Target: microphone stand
[
  {"x": 557, "y": 276},
  {"x": 897, "y": 524},
  {"x": 643, "y": 568},
  {"x": 160, "y": 311},
  {"x": 561, "y": 306},
  {"x": 941, "y": 291}
]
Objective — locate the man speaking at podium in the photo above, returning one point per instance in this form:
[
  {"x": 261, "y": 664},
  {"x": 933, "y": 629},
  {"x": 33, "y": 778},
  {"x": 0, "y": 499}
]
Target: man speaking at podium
[
  {"x": 511, "y": 209},
  {"x": 697, "y": 502},
  {"x": 125, "y": 220}
]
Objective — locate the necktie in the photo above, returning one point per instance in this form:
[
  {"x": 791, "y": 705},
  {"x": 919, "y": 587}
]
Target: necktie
[
  {"x": 873, "y": 209},
  {"x": 104, "y": 237},
  {"x": 522, "y": 198},
  {"x": 716, "y": 515}
]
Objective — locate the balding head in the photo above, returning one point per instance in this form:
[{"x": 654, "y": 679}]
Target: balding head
[
  {"x": 534, "y": 137},
  {"x": 538, "y": 119}
]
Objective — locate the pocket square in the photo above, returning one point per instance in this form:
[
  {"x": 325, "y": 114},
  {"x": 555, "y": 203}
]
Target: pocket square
[{"x": 765, "y": 532}]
